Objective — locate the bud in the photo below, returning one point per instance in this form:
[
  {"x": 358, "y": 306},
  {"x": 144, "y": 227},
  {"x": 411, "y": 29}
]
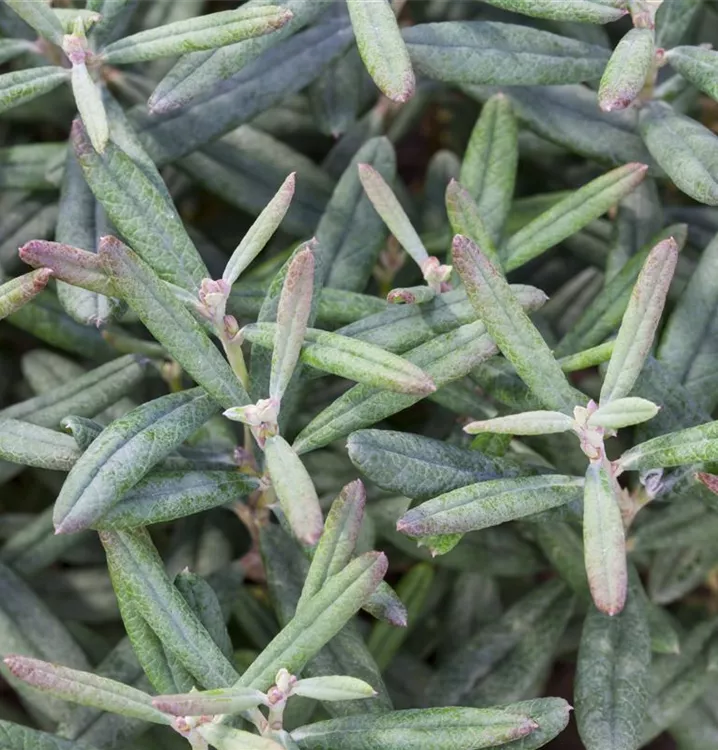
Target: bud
[
  {"x": 213, "y": 300},
  {"x": 436, "y": 274},
  {"x": 261, "y": 418}
]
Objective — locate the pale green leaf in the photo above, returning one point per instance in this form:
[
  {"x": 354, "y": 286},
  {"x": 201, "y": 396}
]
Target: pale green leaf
[
  {"x": 465, "y": 218},
  {"x": 226, "y": 738},
  {"x": 627, "y": 70},
  {"x": 589, "y": 11},
  {"x": 89, "y": 104},
  {"x": 39, "y": 15},
  {"x": 16, "y": 292},
  {"x": 333, "y": 688},
  {"x": 231, "y": 700},
  {"x": 623, "y": 412},
  {"x": 22, "y": 86},
  {"x": 527, "y": 423}
]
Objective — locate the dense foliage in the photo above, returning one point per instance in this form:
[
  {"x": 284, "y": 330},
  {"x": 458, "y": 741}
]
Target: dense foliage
[{"x": 362, "y": 390}]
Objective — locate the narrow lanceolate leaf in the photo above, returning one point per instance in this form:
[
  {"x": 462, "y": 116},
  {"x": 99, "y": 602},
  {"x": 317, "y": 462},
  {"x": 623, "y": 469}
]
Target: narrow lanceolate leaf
[
  {"x": 589, "y": 11},
  {"x": 140, "y": 211},
  {"x": 571, "y": 214},
  {"x": 623, "y": 412},
  {"x": 501, "y": 54},
  {"x": 627, "y": 70},
  {"x": 390, "y": 210},
  {"x": 210, "y": 702},
  {"x": 196, "y": 34},
  {"x": 640, "y": 321},
  {"x": 510, "y": 327},
  {"x": 338, "y": 540},
  {"x": 698, "y": 65},
  {"x": 69, "y": 264},
  {"x": 89, "y": 104},
  {"x": 22, "y": 86},
  {"x": 478, "y": 506},
  {"x": 224, "y": 737},
  {"x": 170, "y": 323},
  {"x": 125, "y": 452},
  {"x": 465, "y": 218},
  {"x": 15, "y": 293},
  {"x": 322, "y": 617},
  {"x": 333, "y": 688},
  {"x": 295, "y": 303},
  {"x": 488, "y": 171},
  {"x": 351, "y": 358},
  {"x": 685, "y": 149},
  {"x": 382, "y": 49},
  {"x": 19, "y": 737},
  {"x": 86, "y": 689},
  {"x": 39, "y": 15},
  {"x": 31, "y": 445},
  {"x": 603, "y": 539},
  {"x": 681, "y": 447},
  {"x": 611, "y": 692},
  {"x": 528, "y": 423},
  {"x": 84, "y": 396},
  {"x": 452, "y": 728},
  {"x": 261, "y": 231},
  {"x": 138, "y": 573},
  {"x": 294, "y": 489}
]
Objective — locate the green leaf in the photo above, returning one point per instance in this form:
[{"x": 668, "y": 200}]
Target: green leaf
[
  {"x": 140, "y": 210},
  {"x": 85, "y": 688},
  {"x": 388, "y": 207},
  {"x": 333, "y": 688},
  {"x": 627, "y": 70},
  {"x": 195, "y": 34},
  {"x": 260, "y": 232},
  {"x": 603, "y": 538},
  {"x": 24, "y": 166},
  {"x": 170, "y": 323},
  {"x": 511, "y": 328},
  {"x": 125, "y": 452},
  {"x": 488, "y": 170},
  {"x": 165, "y": 495},
  {"x": 571, "y": 214},
  {"x": 15, "y": 293},
  {"x": 681, "y": 447},
  {"x": 589, "y": 11},
  {"x": 623, "y": 412},
  {"x": 605, "y": 312},
  {"x": 293, "y": 311},
  {"x": 413, "y": 589},
  {"x": 231, "y": 700},
  {"x": 471, "y": 662},
  {"x": 501, "y": 54},
  {"x": 322, "y": 617},
  {"x": 30, "y": 445},
  {"x": 89, "y": 104},
  {"x": 449, "y": 728},
  {"x": 698, "y": 65},
  {"x": 294, "y": 489},
  {"x": 22, "y": 86},
  {"x": 280, "y": 72},
  {"x": 37, "y": 14},
  {"x": 18, "y": 737},
  {"x": 137, "y": 573},
  {"x": 465, "y": 218},
  {"x": 10, "y": 48},
  {"x": 611, "y": 691},
  {"x": 527, "y": 423},
  {"x": 382, "y": 48},
  {"x": 194, "y": 73},
  {"x": 562, "y": 546},
  {"x": 478, "y": 506},
  {"x": 673, "y": 20},
  {"x": 226, "y": 738},
  {"x": 84, "y": 396},
  {"x": 351, "y": 358},
  {"x": 684, "y": 148},
  {"x": 640, "y": 321},
  {"x": 350, "y": 232}
]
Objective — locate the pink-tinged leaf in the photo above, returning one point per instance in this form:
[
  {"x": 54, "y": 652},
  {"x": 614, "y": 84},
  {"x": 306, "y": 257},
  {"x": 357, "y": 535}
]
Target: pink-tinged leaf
[
  {"x": 69, "y": 264},
  {"x": 86, "y": 688},
  {"x": 261, "y": 231},
  {"x": 604, "y": 539},
  {"x": 710, "y": 481},
  {"x": 16, "y": 292},
  {"x": 294, "y": 489},
  {"x": 627, "y": 70},
  {"x": 388, "y": 207},
  {"x": 210, "y": 702},
  {"x": 295, "y": 302},
  {"x": 382, "y": 48},
  {"x": 640, "y": 321}
]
